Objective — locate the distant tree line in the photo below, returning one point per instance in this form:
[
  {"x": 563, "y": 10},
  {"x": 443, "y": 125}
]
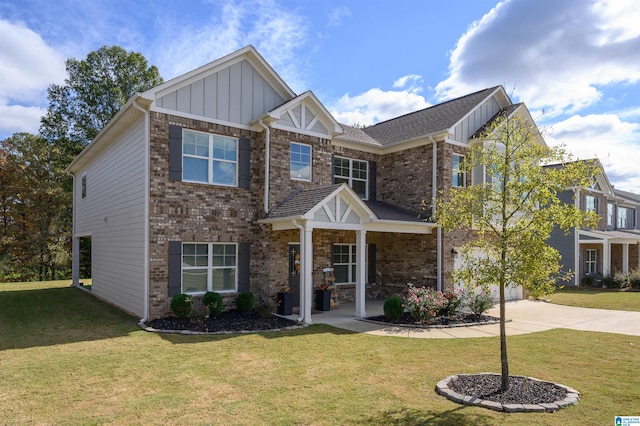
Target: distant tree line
[{"x": 35, "y": 191}]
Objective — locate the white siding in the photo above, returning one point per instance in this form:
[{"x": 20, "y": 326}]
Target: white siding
[
  {"x": 237, "y": 94},
  {"x": 476, "y": 119},
  {"x": 112, "y": 213}
]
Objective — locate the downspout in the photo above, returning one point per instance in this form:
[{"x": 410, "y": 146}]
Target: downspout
[
  {"x": 576, "y": 240},
  {"x": 434, "y": 198},
  {"x": 267, "y": 146},
  {"x": 147, "y": 190},
  {"x": 75, "y": 257},
  {"x": 302, "y": 287}
]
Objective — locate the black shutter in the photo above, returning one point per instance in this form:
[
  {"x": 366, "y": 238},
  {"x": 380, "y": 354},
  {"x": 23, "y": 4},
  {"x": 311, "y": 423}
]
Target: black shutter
[
  {"x": 175, "y": 152},
  {"x": 373, "y": 172},
  {"x": 372, "y": 263},
  {"x": 333, "y": 168},
  {"x": 244, "y": 158},
  {"x": 175, "y": 268},
  {"x": 244, "y": 260}
]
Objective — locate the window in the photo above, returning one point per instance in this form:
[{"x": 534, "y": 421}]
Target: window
[
  {"x": 208, "y": 267},
  {"x": 622, "y": 218},
  {"x": 344, "y": 263},
  {"x": 459, "y": 175},
  {"x": 591, "y": 256},
  {"x": 611, "y": 214},
  {"x": 83, "y": 184},
  {"x": 300, "y": 161},
  {"x": 354, "y": 173},
  {"x": 590, "y": 203},
  {"x": 209, "y": 158}
]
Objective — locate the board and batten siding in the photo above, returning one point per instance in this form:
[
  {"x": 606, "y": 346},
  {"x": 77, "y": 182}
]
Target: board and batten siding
[
  {"x": 475, "y": 120},
  {"x": 236, "y": 94},
  {"x": 113, "y": 215}
]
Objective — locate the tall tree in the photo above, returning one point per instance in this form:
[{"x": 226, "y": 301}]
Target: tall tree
[
  {"x": 93, "y": 92},
  {"x": 510, "y": 217}
]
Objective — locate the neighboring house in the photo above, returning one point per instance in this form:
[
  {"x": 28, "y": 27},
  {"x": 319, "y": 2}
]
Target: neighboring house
[
  {"x": 613, "y": 246},
  {"x": 223, "y": 179}
]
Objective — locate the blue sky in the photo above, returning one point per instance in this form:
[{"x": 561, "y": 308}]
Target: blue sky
[{"x": 575, "y": 63}]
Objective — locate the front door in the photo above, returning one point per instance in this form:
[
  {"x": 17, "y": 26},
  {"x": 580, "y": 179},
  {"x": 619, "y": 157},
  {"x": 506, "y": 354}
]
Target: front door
[{"x": 294, "y": 272}]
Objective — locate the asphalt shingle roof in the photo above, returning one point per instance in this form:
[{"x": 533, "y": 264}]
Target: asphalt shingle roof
[{"x": 427, "y": 121}]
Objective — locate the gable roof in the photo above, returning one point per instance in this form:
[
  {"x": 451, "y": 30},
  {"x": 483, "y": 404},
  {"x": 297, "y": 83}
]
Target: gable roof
[{"x": 431, "y": 120}]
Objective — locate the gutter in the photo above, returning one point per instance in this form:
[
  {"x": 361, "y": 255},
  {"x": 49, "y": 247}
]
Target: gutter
[
  {"x": 147, "y": 200},
  {"x": 434, "y": 205},
  {"x": 267, "y": 155}
]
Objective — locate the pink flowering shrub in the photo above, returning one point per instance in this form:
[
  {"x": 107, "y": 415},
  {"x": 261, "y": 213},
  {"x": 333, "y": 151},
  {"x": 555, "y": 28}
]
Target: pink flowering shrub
[{"x": 424, "y": 303}]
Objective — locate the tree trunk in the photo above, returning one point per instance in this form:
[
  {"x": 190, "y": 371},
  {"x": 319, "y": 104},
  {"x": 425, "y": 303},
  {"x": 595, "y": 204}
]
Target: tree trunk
[{"x": 503, "y": 342}]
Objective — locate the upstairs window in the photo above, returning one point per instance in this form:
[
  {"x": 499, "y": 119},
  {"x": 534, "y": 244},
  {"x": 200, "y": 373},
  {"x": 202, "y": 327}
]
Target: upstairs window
[
  {"x": 300, "y": 161},
  {"x": 457, "y": 167},
  {"x": 209, "y": 158},
  {"x": 590, "y": 203},
  {"x": 611, "y": 214},
  {"x": 354, "y": 172},
  {"x": 622, "y": 218}
]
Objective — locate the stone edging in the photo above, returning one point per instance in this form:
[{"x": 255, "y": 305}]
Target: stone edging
[
  {"x": 468, "y": 324},
  {"x": 214, "y": 333},
  {"x": 572, "y": 398}
]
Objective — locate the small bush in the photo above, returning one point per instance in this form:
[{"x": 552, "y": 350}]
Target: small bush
[
  {"x": 245, "y": 302},
  {"x": 634, "y": 279},
  {"x": 199, "y": 313},
  {"x": 479, "y": 303},
  {"x": 393, "y": 308},
  {"x": 181, "y": 305},
  {"x": 424, "y": 303},
  {"x": 609, "y": 281},
  {"x": 454, "y": 301},
  {"x": 587, "y": 281},
  {"x": 264, "y": 305},
  {"x": 213, "y": 301}
]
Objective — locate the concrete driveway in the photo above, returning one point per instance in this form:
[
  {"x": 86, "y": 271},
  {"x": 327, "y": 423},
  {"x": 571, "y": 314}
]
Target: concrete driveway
[{"x": 525, "y": 316}]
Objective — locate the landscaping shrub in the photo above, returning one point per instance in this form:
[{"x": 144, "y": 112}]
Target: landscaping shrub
[
  {"x": 393, "y": 308},
  {"x": 424, "y": 303},
  {"x": 454, "y": 301},
  {"x": 199, "y": 313},
  {"x": 245, "y": 302},
  {"x": 587, "y": 281},
  {"x": 181, "y": 305},
  {"x": 213, "y": 301},
  {"x": 634, "y": 279},
  {"x": 264, "y": 305},
  {"x": 619, "y": 280},
  {"x": 479, "y": 303}
]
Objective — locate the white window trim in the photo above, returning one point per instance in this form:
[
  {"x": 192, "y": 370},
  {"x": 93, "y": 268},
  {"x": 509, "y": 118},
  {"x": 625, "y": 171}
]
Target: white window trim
[
  {"x": 310, "y": 162},
  {"x": 589, "y": 260},
  {"x": 595, "y": 203},
  {"x": 623, "y": 219},
  {"x": 611, "y": 214},
  {"x": 209, "y": 268},
  {"x": 462, "y": 172},
  {"x": 350, "y": 179},
  {"x": 350, "y": 265},
  {"x": 210, "y": 159}
]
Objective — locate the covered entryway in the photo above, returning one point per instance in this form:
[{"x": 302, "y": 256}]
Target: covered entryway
[
  {"x": 337, "y": 207},
  {"x": 605, "y": 253}
]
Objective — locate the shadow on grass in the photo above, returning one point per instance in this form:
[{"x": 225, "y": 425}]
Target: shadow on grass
[
  {"x": 461, "y": 415},
  {"x": 54, "y": 316}
]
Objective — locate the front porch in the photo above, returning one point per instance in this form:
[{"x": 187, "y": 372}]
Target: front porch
[{"x": 606, "y": 253}]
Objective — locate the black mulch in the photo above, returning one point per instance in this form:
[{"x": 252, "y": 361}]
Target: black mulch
[
  {"x": 228, "y": 321},
  {"x": 521, "y": 391},
  {"x": 441, "y": 320}
]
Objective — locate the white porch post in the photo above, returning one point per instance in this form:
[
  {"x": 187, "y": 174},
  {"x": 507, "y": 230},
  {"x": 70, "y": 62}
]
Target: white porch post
[
  {"x": 306, "y": 281},
  {"x": 625, "y": 258},
  {"x": 606, "y": 258},
  {"x": 361, "y": 272},
  {"x": 75, "y": 260}
]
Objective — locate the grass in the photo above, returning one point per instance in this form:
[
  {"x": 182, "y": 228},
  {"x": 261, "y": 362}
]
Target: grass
[
  {"x": 68, "y": 358},
  {"x": 598, "y": 298}
]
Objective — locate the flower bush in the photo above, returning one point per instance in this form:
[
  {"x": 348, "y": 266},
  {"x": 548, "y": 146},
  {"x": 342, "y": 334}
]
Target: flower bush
[
  {"x": 479, "y": 303},
  {"x": 454, "y": 301},
  {"x": 423, "y": 303}
]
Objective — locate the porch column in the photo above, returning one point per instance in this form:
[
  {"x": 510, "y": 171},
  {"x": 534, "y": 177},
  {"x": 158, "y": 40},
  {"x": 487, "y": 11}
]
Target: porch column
[
  {"x": 306, "y": 269},
  {"x": 606, "y": 258},
  {"x": 361, "y": 272},
  {"x": 625, "y": 258},
  {"x": 75, "y": 260}
]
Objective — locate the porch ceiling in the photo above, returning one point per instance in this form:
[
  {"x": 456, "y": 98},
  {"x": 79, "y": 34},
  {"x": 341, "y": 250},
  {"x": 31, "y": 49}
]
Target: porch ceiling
[{"x": 610, "y": 236}]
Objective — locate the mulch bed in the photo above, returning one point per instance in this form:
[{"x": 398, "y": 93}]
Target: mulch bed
[
  {"x": 522, "y": 390},
  {"x": 229, "y": 321},
  {"x": 458, "y": 319}
]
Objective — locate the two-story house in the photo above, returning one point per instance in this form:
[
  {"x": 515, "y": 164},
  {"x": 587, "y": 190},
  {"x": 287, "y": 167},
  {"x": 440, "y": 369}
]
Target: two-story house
[
  {"x": 225, "y": 180},
  {"x": 613, "y": 246}
]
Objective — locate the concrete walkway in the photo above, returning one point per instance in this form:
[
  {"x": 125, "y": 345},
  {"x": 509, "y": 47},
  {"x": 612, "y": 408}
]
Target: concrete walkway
[{"x": 526, "y": 317}]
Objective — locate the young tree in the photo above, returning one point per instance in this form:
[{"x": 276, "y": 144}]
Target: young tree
[
  {"x": 94, "y": 91},
  {"x": 510, "y": 216}
]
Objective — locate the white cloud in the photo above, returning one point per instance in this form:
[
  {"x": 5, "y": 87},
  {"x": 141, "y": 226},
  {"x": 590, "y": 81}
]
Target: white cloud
[
  {"x": 337, "y": 14},
  {"x": 410, "y": 82},
  {"x": 376, "y": 105},
  {"x": 27, "y": 67},
  {"x": 558, "y": 54},
  {"x": 606, "y": 137}
]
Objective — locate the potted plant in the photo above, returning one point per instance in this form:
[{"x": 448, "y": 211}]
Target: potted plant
[
  {"x": 323, "y": 291},
  {"x": 285, "y": 301}
]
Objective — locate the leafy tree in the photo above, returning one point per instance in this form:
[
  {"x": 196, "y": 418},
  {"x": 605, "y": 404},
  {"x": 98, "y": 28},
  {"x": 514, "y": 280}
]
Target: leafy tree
[
  {"x": 510, "y": 217},
  {"x": 95, "y": 89},
  {"x": 35, "y": 209}
]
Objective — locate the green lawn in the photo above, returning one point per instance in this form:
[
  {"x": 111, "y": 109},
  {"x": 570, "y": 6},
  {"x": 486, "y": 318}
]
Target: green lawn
[
  {"x": 598, "y": 298},
  {"x": 68, "y": 358}
]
